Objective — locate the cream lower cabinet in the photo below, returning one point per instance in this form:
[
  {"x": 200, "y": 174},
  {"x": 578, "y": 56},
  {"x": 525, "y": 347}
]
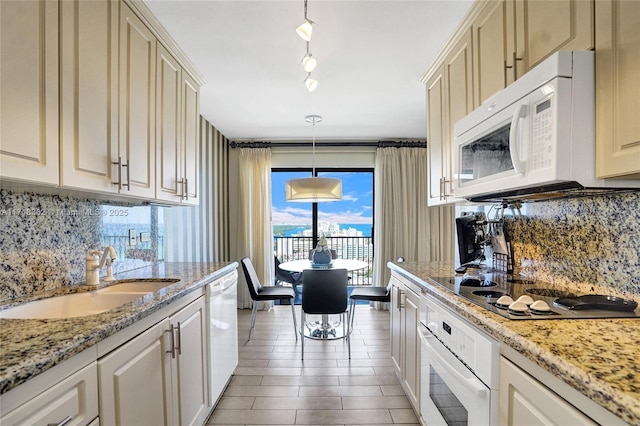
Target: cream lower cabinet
[
  {"x": 525, "y": 401},
  {"x": 29, "y": 91},
  {"x": 617, "y": 88},
  {"x": 159, "y": 377},
  {"x": 72, "y": 401},
  {"x": 405, "y": 342}
]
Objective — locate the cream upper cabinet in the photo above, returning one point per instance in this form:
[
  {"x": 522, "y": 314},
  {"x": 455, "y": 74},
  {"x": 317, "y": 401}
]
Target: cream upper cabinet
[
  {"x": 449, "y": 98},
  {"x": 618, "y": 88},
  {"x": 490, "y": 37},
  {"x": 135, "y": 168},
  {"x": 29, "y": 91},
  {"x": 513, "y": 36},
  {"x": 544, "y": 27},
  {"x": 177, "y": 137},
  {"x": 88, "y": 94}
]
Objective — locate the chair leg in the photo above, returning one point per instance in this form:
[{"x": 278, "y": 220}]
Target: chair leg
[
  {"x": 352, "y": 308},
  {"x": 253, "y": 318},
  {"x": 302, "y": 322},
  {"x": 348, "y": 337},
  {"x": 295, "y": 325}
]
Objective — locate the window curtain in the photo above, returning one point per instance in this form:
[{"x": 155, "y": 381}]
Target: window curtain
[
  {"x": 254, "y": 224},
  {"x": 404, "y": 225}
]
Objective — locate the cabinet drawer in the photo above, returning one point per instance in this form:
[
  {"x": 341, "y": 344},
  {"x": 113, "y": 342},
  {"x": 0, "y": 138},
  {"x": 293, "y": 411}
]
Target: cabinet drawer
[{"x": 75, "y": 397}]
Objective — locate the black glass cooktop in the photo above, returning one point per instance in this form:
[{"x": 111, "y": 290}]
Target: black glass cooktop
[{"x": 539, "y": 300}]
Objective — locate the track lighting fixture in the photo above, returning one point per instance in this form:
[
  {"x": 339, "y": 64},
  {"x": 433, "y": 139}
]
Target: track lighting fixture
[{"x": 308, "y": 61}]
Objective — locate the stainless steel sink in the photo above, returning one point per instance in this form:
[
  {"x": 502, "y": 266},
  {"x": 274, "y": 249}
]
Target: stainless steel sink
[{"x": 86, "y": 303}]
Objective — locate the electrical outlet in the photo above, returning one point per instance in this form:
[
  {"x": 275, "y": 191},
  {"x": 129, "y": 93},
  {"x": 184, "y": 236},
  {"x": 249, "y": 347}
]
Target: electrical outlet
[
  {"x": 145, "y": 237},
  {"x": 132, "y": 237}
]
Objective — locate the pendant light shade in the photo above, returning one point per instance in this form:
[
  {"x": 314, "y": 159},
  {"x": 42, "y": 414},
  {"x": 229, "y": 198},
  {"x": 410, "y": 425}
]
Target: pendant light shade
[
  {"x": 305, "y": 30},
  {"x": 313, "y": 190},
  {"x": 309, "y": 62},
  {"x": 310, "y": 83}
]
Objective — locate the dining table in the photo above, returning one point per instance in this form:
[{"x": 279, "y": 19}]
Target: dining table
[{"x": 325, "y": 329}]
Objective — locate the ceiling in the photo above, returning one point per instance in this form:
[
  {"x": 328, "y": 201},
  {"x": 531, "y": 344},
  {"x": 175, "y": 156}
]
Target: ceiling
[{"x": 371, "y": 55}]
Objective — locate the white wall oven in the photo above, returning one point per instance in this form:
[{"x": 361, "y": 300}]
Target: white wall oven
[{"x": 459, "y": 371}]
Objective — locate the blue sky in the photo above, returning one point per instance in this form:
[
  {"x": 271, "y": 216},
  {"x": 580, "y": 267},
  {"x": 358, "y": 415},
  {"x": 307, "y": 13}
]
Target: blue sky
[{"x": 356, "y": 205}]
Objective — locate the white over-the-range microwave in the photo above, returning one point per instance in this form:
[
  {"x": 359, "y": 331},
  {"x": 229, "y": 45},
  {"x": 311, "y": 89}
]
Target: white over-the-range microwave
[{"x": 534, "y": 139}]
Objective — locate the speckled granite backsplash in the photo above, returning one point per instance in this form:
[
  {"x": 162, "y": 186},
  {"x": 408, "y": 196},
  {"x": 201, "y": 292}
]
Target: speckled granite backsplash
[
  {"x": 44, "y": 239},
  {"x": 587, "y": 241}
]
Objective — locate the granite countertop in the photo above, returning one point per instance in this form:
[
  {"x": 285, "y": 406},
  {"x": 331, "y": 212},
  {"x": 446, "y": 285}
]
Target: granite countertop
[
  {"x": 30, "y": 347},
  {"x": 598, "y": 358}
]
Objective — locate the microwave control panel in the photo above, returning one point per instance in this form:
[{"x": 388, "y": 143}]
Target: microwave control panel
[{"x": 542, "y": 129}]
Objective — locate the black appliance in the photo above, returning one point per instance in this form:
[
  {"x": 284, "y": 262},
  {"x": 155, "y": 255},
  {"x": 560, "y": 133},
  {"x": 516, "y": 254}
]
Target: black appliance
[{"x": 470, "y": 236}]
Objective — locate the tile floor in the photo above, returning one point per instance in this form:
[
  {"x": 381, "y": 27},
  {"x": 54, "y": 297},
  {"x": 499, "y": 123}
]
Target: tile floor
[{"x": 273, "y": 386}]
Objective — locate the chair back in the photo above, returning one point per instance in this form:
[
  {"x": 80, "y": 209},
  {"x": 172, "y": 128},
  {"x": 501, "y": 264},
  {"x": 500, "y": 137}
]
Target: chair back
[
  {"x": 251, "y": 277},
  {"x": 324, "y": 291}
]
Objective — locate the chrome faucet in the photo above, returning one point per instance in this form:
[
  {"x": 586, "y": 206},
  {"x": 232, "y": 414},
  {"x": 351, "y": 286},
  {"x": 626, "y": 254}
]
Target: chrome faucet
[{"x": 93, "y": 267}]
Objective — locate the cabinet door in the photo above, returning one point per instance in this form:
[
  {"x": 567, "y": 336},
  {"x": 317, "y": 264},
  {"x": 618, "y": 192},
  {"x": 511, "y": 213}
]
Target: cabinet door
[
  {"x": 545, "y": 27},
  {"x": 29, "y": 91},
  {"x": 190, "y": 363},
  {"x": 168, "y": 131},
  {"x": 525, "y": 401},
  {"x": 458, "y": 69},
  {"x": 135, "y": 381},
  {"x": 137, "y": 105},
  {"x": 396, "y": 332},
  {"x": 617, "y": 88},
  {"x": 436, "y": 138},
  {"x": 190, "y": 138},
  {"x": 411, "y": 373},
  {"x": 74, "y": 398},
  {"x": 88, "y": 94},
  {"x": 490, "y": 37}
]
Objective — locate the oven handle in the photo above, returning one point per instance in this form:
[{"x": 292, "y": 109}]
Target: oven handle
[
  {"x": 479, "y": 390},
  {"x": 514, "y": 139}
]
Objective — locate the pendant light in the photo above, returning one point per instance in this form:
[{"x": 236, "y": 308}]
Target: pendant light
[{"x": 313, "y": 189}]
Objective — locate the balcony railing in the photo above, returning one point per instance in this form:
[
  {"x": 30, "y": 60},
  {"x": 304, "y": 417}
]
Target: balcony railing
[{"x": 358, "y": 248}]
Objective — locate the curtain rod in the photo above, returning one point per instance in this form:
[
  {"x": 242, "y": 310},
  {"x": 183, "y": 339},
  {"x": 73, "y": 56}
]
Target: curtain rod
[{"x": 379, "y": 144}]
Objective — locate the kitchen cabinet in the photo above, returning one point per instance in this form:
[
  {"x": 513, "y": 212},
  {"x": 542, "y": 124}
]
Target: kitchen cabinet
[
  {"x": 524, "y": 400},
  {"x": 29, "y": 91},
  {"x": 135, "y": 159},
  {"x": 405, "y": 341},
  {"x": 512, "y": 36},
  {"x": 159, "y": 377},
  {"x": 74, "y": 399},
  {"x": 449, "y": 98},
  {"x": 617, "y": 89},
  {"x": 177, "y": 137},
  {"x": 88, "y": 94}
]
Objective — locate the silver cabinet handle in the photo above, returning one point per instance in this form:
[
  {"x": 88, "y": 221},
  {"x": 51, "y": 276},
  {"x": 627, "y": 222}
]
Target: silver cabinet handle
[
  {"x": 62, "y": 423},
  {"x": 399, "y": 303},
  {"x": 186, "y": 189},
  {"x": 172, "y": 351},
  {"x": 120, "y": 166},
  {"x": 119, "y": 182},
  {"x": 179, "y": 340},
  {"x": 181, "y": 183}
]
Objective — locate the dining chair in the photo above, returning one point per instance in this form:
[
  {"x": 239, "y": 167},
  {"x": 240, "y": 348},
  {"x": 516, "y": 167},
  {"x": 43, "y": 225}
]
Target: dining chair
[
  {"x": 370, "y": 294},
  {"x": 325, "y": 293},
  {"x": 260, "y": 293},
  {"x": 293, "y": 278}
]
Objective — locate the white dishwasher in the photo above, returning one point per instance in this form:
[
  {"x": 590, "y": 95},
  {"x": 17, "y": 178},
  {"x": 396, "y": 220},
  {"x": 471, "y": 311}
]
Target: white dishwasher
[{"x": 221, "y": 297}]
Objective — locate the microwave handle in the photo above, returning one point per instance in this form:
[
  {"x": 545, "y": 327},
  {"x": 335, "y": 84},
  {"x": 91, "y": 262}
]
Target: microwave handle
[{"x": 514, "y": 140}]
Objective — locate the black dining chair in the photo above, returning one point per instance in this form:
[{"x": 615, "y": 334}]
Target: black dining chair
[
  {"x": 260, "y": 293},
  {"x": 370, "y": 294},
  {"x": 325, "y": 293},
  {"x": 282, "y": 276}
]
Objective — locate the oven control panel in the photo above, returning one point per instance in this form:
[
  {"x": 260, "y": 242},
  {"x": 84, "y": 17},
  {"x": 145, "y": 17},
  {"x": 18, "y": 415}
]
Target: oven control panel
[{"x": 478, "y": 351}]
